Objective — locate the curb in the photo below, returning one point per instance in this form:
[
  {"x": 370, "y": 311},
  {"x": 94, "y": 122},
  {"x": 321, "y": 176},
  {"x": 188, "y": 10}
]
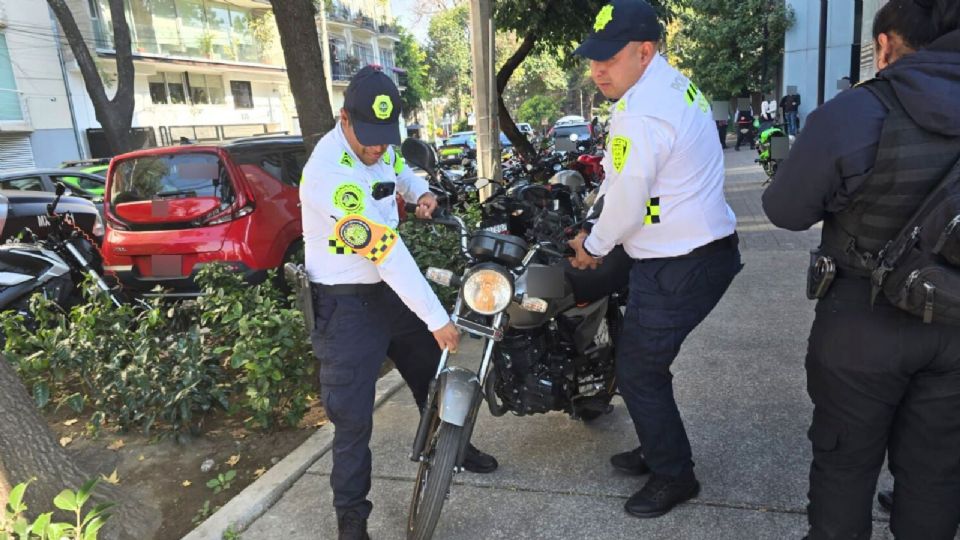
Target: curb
[{"x": 258, "y": 497}]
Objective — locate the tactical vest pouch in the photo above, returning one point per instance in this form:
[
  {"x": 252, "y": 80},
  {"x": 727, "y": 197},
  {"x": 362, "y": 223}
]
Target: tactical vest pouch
[
  {"x": 918, "y": 270},
  {"x": 948, "y": 246}
]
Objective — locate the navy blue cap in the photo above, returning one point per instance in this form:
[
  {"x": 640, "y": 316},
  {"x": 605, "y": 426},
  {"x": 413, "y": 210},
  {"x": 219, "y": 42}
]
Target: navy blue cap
[
  {"x": 617, "y": 24},
  {"x": 373, "y": 104}
]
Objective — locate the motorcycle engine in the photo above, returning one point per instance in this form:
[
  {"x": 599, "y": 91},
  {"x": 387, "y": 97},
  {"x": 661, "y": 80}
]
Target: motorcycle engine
[{"x": 532, "y": 375}]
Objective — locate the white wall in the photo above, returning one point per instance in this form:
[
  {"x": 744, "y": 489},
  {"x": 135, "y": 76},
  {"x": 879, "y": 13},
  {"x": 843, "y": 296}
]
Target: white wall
[
  {"x": 269, "y": 105},
  {"x": 36, "y": 66}
]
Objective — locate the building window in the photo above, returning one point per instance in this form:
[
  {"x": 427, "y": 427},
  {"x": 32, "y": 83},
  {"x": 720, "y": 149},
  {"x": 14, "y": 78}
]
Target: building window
[
  {"x": 9, "y": 97},
  {"x": 167, "y": 88},
  {"x": 242, "y": 94},
  {"x": 364, "y": 54},
  {"x": 206, "y": 89}
]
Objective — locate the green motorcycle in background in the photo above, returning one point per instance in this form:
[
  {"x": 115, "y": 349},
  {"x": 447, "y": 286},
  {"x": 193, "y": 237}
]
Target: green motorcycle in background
[{"x": 764, "y": 145}]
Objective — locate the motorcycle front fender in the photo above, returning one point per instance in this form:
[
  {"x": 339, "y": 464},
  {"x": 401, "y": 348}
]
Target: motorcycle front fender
[{"x": 457, "y": 390}]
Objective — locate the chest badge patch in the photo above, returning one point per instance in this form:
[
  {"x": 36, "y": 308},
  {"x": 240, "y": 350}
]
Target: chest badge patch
[
  {"x": 349, "y": 198},
  {"x": 620, "y": 148}
]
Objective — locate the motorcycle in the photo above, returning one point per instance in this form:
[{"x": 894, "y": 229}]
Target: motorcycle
[
  {"x": 764, "y": 146},
  {"x": 543, "y": 351},
  {"x": 54, "y": 266}
]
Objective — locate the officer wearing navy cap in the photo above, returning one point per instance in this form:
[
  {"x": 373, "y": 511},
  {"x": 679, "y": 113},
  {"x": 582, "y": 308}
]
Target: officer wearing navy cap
[
  {"x": 663, "y": 202},
  {"x": 370, "y": 300}
]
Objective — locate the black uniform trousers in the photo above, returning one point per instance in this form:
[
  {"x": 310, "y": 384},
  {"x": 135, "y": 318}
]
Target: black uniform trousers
[
  {"x": 668, "y": 298},
  {"x": 353, "y": 335},
  {"x": 882, "y": 383}
]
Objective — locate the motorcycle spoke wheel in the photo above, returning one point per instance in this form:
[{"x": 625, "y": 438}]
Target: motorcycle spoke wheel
[{"x": 433, "y": 482}]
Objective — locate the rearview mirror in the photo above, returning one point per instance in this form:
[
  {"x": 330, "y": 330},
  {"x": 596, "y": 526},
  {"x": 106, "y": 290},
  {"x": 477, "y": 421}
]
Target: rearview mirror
[
  {"x": 481, "y": 183},
  {"x": 420, "y": 154},
  {"x": 61, "y": 189}
]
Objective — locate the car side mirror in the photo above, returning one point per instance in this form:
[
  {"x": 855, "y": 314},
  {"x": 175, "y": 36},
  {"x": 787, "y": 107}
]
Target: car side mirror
[{"x": 419, "y": 154}]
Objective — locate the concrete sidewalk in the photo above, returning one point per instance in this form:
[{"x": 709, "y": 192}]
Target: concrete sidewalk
[{"x": 741, "y": 388}]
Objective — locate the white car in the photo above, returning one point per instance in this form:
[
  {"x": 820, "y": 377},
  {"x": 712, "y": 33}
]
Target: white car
[{"x": 572, "y": 119}]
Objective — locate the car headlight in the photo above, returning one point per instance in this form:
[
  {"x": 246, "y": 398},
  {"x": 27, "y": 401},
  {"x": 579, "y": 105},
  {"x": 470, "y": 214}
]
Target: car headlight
[{"x": 488, "y": 290}]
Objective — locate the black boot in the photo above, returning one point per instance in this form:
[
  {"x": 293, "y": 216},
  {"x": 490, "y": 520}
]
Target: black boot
[
  {"x": 350, "y": 526},
  {"x": 630, "y": 462},
  {"x": 476, "y": 461},
  {"x": 885, "y": 498},
  {"x": 660, "y": 495}
]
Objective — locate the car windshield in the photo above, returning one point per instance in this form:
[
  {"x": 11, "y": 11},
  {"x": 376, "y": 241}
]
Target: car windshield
[
  {"x": 170, "y": 176},
  {"x": 468, "y": 139},
  {"x": 582, "y": 131}
]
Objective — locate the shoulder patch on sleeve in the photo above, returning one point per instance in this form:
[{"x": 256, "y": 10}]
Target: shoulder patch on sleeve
[
  {"x": 365, "y": 238},
  {"x": 620, "y": 148},
  {"x": 349, "y": 198},
  {"x": 346, "y": 160}
]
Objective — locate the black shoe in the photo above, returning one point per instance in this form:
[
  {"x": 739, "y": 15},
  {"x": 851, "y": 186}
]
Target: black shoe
[
  {"x": 885, "y": 498},
  {"x": 350, "y": 526},
  {"x": 630, "y": 462},
  {"x": 476, "y": 461},
  {"x": 660, "y": 494}
]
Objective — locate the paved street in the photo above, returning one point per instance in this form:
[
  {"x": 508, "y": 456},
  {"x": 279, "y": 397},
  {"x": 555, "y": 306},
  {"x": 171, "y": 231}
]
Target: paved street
[{"x": 740, "y": 385}]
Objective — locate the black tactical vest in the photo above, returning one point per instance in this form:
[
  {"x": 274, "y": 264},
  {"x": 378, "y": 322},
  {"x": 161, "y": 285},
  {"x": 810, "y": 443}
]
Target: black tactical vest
[{"x": 910, "y": 163}]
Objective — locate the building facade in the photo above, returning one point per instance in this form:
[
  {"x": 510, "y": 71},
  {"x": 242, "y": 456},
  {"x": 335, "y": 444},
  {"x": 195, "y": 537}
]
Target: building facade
[
  {"x": 206, "y": 70},
  {"x": 36, "y": 129},
  {"x": 830, "y": 39},
  {"x": 354, "y": 34}
]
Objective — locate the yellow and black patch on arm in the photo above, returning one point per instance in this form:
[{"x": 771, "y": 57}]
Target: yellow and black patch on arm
[
  {"x": 357, "y": 234},
  {"x": 653, "y": 211}
]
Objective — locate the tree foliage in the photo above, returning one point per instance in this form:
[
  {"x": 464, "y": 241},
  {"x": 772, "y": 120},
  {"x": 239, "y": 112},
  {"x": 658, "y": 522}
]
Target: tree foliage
[
  {"x": 450, "y": 65},
  {"x": 537, "y": 108},
  {"x": 551, "y": 27},
  {"x": 732, "y": 47},
  {"x": 412, "y": 58}
]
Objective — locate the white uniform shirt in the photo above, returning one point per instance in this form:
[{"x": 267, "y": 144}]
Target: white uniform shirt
[
  {"x": 337, "y": 184},
  {"x": 663, "y": 193}
]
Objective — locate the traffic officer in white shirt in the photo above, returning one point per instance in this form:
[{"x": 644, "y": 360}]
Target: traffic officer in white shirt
[
  {"x": 665, "y": 205},
  {"x": 370, "y": 300}
]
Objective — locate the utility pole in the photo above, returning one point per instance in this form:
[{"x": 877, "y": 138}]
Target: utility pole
[{"x": 482, "y": 43}]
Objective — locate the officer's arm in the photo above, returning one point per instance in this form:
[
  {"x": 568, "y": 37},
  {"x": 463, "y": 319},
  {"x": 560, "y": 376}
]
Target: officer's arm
[
  {"x": 410, "y": 186},
  {"x": 807, "y": 180},
  {"x": 638, "y": 147},
  {"x": 360, "y": 231}
]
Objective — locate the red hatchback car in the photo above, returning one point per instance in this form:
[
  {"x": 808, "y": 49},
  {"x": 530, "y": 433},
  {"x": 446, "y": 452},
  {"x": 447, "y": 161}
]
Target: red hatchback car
[{"x": 171, "y": 210}]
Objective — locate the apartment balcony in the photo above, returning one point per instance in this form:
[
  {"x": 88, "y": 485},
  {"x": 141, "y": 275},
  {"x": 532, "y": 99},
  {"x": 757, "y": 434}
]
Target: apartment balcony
[
  {"x": 167, "y": 40},
  {"x": 342, "y": 70}
]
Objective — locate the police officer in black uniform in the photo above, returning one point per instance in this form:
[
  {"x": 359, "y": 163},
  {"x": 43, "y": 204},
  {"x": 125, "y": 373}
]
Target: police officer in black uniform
[
  {"x": 883, "y": 383},
  {"x": 370, "y": 300}
]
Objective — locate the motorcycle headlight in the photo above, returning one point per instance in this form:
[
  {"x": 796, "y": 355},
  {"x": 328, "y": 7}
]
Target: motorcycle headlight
[{"x": 488, "y": 290}]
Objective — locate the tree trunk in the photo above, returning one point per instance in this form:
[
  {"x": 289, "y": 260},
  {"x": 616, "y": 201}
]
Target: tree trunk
[
  {"x": 28, "y": 450},
  {"x": 115, "y": 115},
  {"x": 296, "y": 22},
  {"x": 507, "y": 125}
]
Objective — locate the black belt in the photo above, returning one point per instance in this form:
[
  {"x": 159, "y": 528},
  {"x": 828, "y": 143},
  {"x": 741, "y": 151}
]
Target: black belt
[
  {"x": 722, "y": 244},
  {"x": 349, "y": 289}
]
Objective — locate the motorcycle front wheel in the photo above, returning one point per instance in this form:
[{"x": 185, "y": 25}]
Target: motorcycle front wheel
[{"x": 433, "y": 481}]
